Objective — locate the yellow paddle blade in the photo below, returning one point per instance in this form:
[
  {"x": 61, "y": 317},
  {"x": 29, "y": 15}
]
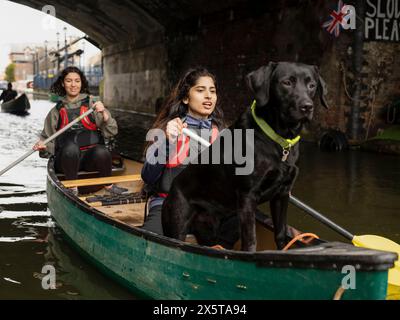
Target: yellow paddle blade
[
  {"x": 381, "y": 243},
  {"x": 394, "y": 276},
  {"x": 393, "y": 292},
  {"x": 377, "y": 243}
]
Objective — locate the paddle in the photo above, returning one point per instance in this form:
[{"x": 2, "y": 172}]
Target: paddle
[
  {"x": 51, "y": 138},
  {"x": 365, "y": 241}
]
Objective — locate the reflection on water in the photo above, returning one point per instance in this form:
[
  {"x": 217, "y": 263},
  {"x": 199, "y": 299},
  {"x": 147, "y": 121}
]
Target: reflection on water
[{"x": 357, "y": 190}]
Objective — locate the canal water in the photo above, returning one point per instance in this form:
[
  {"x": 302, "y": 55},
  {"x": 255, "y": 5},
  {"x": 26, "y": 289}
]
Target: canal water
[{"x": 360, "y": 191}]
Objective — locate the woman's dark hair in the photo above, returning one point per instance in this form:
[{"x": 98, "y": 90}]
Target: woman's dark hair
[
  {"x": 58, "y": 88},
  {"x": 173, "y": 107}
]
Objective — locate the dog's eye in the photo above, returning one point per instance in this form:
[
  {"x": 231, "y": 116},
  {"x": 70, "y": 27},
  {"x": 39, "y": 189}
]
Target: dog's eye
[
  {"x": 312, "y": 86},
  {"x": 287, "y": 83}
]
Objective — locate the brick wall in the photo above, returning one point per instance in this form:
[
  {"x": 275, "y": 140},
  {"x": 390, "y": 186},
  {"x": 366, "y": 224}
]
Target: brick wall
[{"x": 234, "y": 42}]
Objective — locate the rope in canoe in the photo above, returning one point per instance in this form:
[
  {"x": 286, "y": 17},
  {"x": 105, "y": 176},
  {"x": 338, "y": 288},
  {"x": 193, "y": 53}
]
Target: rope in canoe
[
  {"x": 339, "y": 293},
  {"x": 300, "y": 237}
]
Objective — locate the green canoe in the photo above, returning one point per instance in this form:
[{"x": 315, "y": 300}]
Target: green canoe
[{"x": 157, "y": 267}]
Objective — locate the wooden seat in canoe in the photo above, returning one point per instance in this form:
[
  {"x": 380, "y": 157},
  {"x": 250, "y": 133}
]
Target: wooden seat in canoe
[{"x": 100, "y": 181}]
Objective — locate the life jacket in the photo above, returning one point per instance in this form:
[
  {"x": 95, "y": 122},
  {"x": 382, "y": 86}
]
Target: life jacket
[
  {"x": 85, "y": 133},
  {"x": 175, "y": 165}
]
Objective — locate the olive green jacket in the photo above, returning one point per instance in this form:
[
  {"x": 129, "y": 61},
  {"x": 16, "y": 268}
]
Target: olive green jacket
[{"x": 108, "y": 129}]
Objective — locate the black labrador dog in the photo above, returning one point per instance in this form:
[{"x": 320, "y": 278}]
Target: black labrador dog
[{"x": 217, "y": 205}]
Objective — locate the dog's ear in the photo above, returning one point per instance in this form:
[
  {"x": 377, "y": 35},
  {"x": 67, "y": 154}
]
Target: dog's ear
[
  {"x": 322, "y": 90},
  {"x": 259, "y": 83}
]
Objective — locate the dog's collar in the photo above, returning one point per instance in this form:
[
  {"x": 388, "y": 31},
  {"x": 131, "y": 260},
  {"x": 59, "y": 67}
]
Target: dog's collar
[{"x": 286, "y": 144}]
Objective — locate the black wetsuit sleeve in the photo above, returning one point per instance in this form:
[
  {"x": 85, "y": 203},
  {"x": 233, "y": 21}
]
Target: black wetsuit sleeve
[{"x": 153, "y": 168}]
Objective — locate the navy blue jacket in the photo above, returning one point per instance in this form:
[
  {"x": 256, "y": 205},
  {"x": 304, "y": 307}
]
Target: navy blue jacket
[{"x": 152, "y": 173}]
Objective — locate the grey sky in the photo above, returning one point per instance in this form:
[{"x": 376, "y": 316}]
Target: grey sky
[{"x": 22, "y": 24}]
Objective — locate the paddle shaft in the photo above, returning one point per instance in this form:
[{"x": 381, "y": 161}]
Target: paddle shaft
[
  {"x": 193, "y": 135},
  {"x": 51, "y": 138},
  {"x": 292, "y": 199},
  {"x": 321, "y": 217}
]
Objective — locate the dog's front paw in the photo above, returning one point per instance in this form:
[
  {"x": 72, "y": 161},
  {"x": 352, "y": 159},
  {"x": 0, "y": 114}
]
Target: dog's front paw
[{"x": 280, "y": 245}]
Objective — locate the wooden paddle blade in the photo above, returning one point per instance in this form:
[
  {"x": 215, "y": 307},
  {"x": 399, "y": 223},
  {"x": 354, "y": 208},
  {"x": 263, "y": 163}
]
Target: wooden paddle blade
[{"x": 384, "y": 244}]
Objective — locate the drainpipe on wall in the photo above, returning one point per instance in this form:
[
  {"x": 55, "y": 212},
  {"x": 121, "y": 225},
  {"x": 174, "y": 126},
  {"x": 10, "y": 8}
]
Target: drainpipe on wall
[{"x": 355, "y": 120}]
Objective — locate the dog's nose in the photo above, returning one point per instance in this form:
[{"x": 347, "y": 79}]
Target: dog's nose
[{"x": 307, "y": 107}]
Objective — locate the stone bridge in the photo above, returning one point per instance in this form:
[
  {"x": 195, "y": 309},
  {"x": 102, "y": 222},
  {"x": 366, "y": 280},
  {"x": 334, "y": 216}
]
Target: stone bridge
[{"x": 147, "y": 44}]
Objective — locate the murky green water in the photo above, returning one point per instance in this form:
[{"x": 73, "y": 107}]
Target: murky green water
[{"x": 360, "y": 191}]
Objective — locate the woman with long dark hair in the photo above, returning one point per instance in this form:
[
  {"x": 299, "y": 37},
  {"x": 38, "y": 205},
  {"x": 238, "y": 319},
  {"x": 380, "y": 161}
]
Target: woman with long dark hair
[
  {"x": 82, "y": 146},
  {"x": 193, "y": 103}
]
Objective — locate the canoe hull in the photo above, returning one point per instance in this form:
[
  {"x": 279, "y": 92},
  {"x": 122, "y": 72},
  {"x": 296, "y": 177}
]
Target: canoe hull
[
  {"x": 160, "y": 268},
  {"x": 19, "y": 106}
]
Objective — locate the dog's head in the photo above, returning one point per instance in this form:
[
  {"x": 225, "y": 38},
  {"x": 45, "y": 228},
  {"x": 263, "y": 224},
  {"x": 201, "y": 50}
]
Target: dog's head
[{"x": 290, "y": 87}]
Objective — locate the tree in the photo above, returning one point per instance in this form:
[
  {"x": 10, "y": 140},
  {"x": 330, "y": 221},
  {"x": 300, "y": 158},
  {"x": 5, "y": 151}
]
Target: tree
[{"x": 10, "y": 73}]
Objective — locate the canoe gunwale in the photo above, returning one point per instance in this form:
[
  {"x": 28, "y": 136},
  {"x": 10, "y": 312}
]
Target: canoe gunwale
[{"x": 327, "y": 256}]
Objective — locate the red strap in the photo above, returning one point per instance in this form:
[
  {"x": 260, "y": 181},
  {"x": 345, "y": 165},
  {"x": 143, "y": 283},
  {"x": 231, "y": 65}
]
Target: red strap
[
  {"x": 86, "y": 120},
  {"x": 214, "y": 134},
  {"x": 88, "y": 147},
  {"x": 182, "y": 151},
  {"x": 163, "y": 195},
  {"x": 64, "y": 118},
  {"x": 180, "y": 155}
]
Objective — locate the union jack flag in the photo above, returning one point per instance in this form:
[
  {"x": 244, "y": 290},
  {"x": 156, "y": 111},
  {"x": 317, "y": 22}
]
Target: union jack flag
[{"x": 337, "y": 18}]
